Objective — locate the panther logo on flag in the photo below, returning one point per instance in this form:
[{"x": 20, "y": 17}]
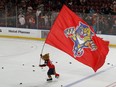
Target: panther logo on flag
[{"x": 82, "y": 38}]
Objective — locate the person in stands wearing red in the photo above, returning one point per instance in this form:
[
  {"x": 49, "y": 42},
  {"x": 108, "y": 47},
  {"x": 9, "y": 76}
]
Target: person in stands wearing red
[{"x": 51, "y": 66}]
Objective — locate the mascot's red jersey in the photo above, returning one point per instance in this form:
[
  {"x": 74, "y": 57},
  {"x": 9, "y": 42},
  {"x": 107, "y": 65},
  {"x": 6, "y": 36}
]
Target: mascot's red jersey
[{"x": 49, "y": 64}]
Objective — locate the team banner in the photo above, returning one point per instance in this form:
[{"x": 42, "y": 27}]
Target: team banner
[{"x": 74, "y": 36}]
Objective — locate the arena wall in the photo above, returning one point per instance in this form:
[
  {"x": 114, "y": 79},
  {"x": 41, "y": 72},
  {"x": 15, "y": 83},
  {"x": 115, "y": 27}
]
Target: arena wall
[{"x": 40, "y": 34}]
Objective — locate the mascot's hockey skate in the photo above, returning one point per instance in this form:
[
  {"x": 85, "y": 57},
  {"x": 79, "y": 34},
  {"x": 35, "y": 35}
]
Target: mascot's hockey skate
[{"x": 56, "y": 76}]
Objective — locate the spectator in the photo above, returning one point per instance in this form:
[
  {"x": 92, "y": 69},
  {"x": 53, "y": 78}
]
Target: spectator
[
  {"x": 30, "y": 19},
  {"x": 21, "y": 18},
  {"x": 114, "y": 6},
  {"x": 94, "y": 22},
  {"x": 31, "y": 22},
  {"x": 46, "y": 20},
  {"x": 114, "y": 27}
]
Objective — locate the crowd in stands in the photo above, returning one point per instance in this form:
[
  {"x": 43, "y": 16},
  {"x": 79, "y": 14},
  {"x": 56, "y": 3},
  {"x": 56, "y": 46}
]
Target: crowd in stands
[
  {"x": 36, "y": 14},
  {"x": 83, "y": 6}
]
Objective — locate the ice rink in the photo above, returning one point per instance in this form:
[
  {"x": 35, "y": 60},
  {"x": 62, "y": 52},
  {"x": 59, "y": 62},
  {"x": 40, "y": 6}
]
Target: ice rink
[{"x": 19, "y": 60}]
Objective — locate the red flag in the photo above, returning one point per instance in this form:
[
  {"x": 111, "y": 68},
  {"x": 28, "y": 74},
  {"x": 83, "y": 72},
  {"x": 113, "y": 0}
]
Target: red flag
[{"x": 74, "y": 36}]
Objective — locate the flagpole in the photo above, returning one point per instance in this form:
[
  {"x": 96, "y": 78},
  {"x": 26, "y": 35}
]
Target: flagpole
[{"x": 41, "y": 52}]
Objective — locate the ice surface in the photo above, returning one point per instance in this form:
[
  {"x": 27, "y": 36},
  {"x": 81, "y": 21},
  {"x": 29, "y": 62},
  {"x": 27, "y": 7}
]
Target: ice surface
[{"x": 19, "y": 60}]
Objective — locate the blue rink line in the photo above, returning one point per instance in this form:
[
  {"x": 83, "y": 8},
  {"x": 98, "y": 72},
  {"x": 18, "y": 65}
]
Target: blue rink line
[{"x": 83, "y": 79}]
